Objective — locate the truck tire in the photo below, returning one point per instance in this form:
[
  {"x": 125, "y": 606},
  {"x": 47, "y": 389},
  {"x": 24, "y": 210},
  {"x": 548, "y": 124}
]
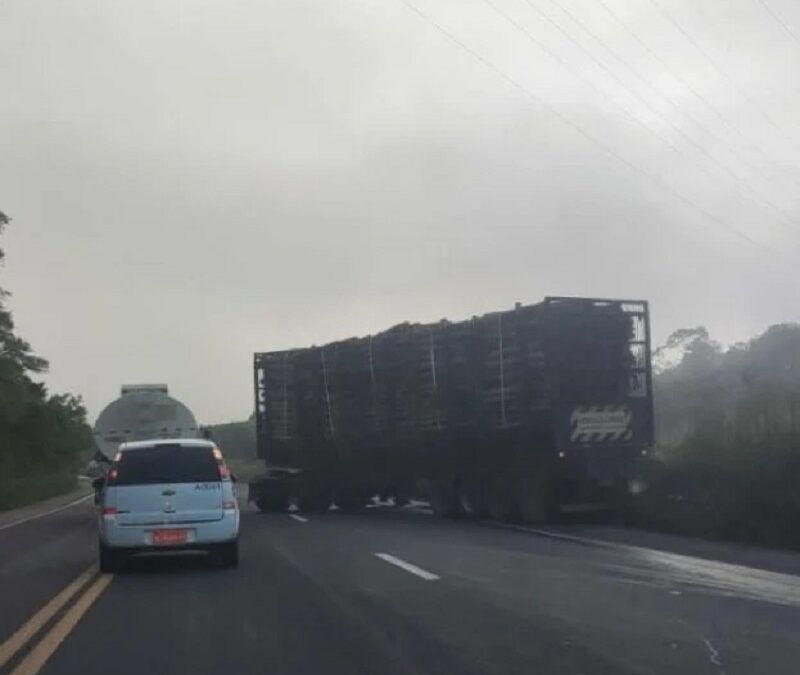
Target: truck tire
[
  {"x": 622, "y": 503},
  {"x": 351, "y": 501},
  {"x": 443, "y": 499},
  {"x": 472, "y": 498},
  {"x": 108, "y": 559},
  {"x": 502, "y": 504},
  {"x": 535, "y": 499},
  {"x": 227, "y": 554},
  {"x": 317, "y": 503},
  {"x": 401, "y": 499},
  {"x": 272, "y": 504}
]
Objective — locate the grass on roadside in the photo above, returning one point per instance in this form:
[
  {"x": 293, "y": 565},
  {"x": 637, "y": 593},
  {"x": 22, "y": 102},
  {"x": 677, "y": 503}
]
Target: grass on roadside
[{"x": 22, "y": 491}]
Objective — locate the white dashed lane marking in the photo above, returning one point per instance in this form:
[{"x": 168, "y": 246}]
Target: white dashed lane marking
[{"x": 408, "y": 567}]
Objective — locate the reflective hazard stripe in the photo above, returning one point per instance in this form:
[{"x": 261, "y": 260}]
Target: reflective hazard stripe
[{"x": 601, "y": 424}]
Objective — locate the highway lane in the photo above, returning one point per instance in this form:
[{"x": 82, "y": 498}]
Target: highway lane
[
  {"x": 40, "y": 557},
  {"x": 394, "y": 591}
]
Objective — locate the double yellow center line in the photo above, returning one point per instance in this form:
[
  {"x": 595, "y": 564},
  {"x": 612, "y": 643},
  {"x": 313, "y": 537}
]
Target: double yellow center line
[{"x": 47, "y": 645}]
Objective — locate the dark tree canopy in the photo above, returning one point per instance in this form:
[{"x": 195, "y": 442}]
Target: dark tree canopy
[
  {"x": 728, "y": 426},
  {"x": 42, "y": 436}
]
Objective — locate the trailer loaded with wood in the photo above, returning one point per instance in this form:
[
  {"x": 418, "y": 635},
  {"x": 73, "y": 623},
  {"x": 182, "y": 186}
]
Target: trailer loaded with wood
[{"x": 514, "y": 414}]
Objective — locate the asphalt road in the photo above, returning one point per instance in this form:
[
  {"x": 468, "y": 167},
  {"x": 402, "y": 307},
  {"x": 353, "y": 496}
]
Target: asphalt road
[{"x": 388, "y": 591}]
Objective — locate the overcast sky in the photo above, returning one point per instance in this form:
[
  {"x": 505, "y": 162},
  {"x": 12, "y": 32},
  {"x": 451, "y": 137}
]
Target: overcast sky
[{"x": 194, "y": 181}]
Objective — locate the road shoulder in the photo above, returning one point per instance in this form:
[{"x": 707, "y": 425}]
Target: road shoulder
[
  {"x": 39, "y": 509},
  {"x": 773, "y": 560}
]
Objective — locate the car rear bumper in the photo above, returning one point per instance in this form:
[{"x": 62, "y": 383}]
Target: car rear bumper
[{"x": 114, "y": 535}]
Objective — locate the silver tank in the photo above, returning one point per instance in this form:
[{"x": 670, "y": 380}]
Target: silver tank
[{"x": 142, "y": 412}]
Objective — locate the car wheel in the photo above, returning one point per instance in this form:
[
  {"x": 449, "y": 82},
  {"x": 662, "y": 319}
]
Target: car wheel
[
  {"x": 109, "y": 559},
  {"x": 227, "y": 554}
]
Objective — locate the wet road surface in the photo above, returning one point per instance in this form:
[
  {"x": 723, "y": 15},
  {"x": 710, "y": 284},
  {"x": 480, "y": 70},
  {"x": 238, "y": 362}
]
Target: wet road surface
[{"x": 391, "y": 591}]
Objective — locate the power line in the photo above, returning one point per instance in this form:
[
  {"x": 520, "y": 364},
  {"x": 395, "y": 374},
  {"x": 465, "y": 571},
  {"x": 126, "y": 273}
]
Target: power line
[
  {"x": 560, "y": 60},
  {"x": 712, "y": 62},
  {"x": 639, "y": 77},
  {"x": 576, "y": 127},
  {"x": 691, "y": 89},
  {"x": 580, "y": 75},
  {"x": 780, "y": 20},
  {"x": 784, "y": 218}
]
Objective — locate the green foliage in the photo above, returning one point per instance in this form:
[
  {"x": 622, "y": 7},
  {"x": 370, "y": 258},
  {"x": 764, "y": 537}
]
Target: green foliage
[
  {"x": 237, "y": 440},
  {"x": 4, "y": 220},
  {"x": 41, "y": 435},
  {"x": 728, "y": 427}
]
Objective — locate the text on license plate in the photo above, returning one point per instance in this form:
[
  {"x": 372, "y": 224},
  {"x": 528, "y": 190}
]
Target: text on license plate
[{"x": 169, "y": 536}]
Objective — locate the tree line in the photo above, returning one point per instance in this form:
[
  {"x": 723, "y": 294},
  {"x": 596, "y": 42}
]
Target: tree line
[
  {"x": 43, "y": 436},
  {"x": 727, "y": 462}
]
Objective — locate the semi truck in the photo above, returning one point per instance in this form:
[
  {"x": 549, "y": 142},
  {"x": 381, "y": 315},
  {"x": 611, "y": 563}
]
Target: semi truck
[{"x": 514, "y": 415}]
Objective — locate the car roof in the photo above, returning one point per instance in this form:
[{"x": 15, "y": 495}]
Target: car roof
[{"x": 187, "y": 442}]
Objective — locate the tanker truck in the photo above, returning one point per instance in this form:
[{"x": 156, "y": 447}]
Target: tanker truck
[
  {"x": 513, "y": 415},
  {"x": 142, "y": 412}
]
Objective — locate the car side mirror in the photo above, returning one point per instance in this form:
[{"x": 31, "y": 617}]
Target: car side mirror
[{"x": 99, "y": 482}]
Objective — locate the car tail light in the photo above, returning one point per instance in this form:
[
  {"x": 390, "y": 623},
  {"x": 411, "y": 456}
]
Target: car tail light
[
  {"x": 224, "y": 472},
  {"x": 109, "y": 510},
  {"x": 229, "y": 504}
]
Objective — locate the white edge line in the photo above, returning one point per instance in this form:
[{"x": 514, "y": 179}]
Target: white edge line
[
  {"x": 632, "y": 548},
  {"x": 600, "y": 543},
  {"x": 408, "y": 567},
  {"x": 568, "y": 537},
  {"x": 299, "y": 519},
  {"x": 46, "y": 513}
]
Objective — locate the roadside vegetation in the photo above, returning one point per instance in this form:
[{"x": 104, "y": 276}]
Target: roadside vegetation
[
  {"x": 727, "y": 463},
  {"x": 43, "y": 437}
]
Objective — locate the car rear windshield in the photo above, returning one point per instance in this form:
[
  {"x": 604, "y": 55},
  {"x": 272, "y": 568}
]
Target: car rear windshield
[{"x": 167, "y": 464}]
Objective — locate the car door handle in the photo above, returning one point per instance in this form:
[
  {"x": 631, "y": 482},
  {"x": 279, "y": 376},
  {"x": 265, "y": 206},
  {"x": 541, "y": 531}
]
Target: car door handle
[{"x": 168, "y": 493}]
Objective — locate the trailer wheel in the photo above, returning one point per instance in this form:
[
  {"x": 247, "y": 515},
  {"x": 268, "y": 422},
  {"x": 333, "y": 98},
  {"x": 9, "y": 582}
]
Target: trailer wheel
[
  {"x": 502, "y": 503},
  {"x": 401, "y": 499},
  {"x": 535, "y": 499},
  {"x": 472, "y": 498},
  {"x": 314, "y": 503},
  {"x": 272, "y": 504},
  {"x": 350, "y": 501},
  {"x": 443, "y": 499}
]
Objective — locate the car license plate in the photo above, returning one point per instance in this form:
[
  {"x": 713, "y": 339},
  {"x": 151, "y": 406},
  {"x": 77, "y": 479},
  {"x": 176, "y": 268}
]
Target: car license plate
[{"x": 170, "y": 536}]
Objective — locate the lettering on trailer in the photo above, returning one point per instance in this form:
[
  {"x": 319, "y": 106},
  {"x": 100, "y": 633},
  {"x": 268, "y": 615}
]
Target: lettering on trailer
[{"x": 601, "y": 424}]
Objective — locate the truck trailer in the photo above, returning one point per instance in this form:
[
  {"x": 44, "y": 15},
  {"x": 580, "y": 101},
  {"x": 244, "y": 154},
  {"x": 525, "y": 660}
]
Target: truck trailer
[
  {"x": 512, "y": 415},
  {"x": 142, "y": 412}
]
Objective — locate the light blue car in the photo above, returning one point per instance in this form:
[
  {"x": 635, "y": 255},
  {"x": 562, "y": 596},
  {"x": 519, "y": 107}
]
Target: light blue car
[{"x": 167, "y": 495}]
